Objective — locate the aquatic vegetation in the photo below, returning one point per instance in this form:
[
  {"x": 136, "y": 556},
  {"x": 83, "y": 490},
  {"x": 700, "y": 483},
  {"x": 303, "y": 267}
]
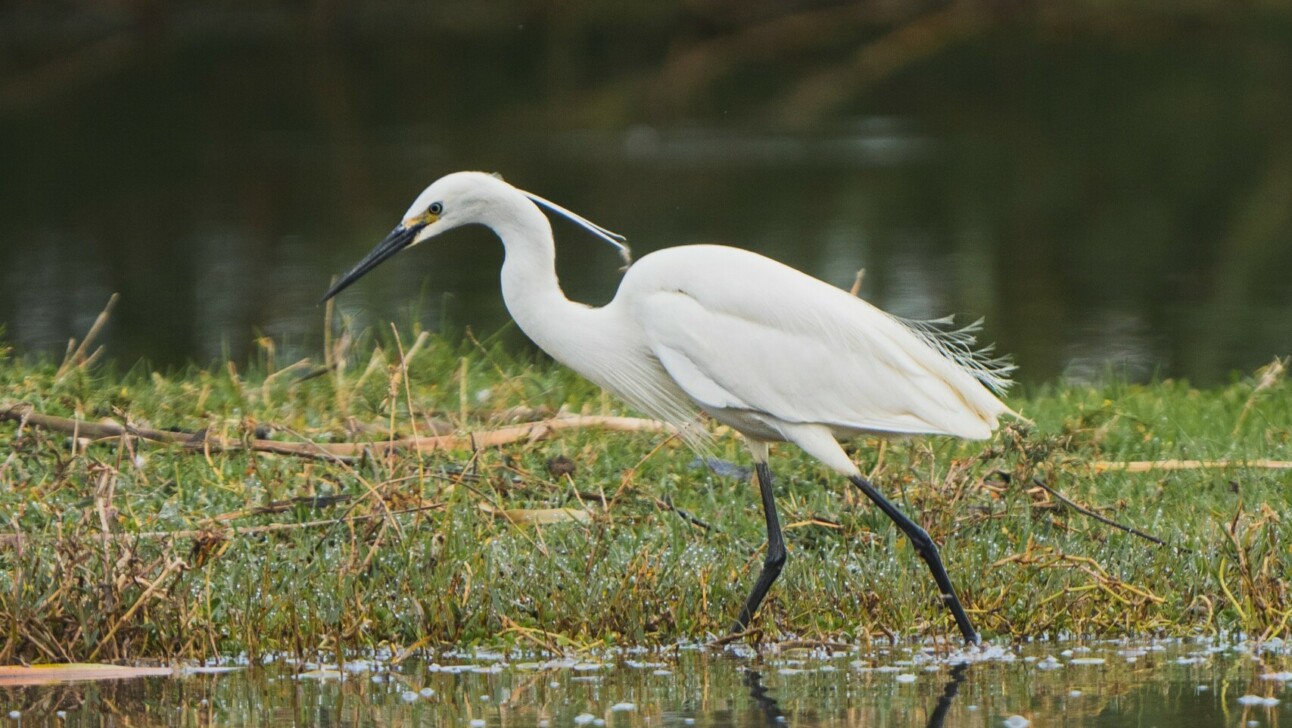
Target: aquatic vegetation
[{"x": 117, "y": 547}]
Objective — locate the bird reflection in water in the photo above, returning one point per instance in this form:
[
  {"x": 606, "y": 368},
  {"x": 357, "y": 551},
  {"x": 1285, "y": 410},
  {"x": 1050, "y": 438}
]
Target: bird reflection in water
[
  {"x": 948, "y": 695},
  {"x": 772, "y": 715},
  {"x": 771, "y": 711}
]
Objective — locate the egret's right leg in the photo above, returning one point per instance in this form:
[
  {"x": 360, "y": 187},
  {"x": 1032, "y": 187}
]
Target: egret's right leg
[{"x": 775, "y": 558}]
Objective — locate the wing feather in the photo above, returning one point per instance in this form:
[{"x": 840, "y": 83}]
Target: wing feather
[{"x": 739, "y": 331}]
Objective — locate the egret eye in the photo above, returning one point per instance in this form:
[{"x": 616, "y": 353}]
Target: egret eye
[{"x": 435, "y": 209}]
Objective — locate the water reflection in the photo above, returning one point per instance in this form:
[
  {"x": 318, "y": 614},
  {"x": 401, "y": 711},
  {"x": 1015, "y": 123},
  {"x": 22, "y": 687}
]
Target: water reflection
[
  {"x": 767, "y": 704},
  {"x": 1116, "y": 683},
  {"x": 939, "y": 715},
  {"x": 1120, "y": 204},
  {"x": 773, "y": 716}
]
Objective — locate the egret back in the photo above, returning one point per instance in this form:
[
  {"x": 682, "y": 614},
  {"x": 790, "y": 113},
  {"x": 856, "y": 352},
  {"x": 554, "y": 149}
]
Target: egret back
[{"x": 741, "y": 332}]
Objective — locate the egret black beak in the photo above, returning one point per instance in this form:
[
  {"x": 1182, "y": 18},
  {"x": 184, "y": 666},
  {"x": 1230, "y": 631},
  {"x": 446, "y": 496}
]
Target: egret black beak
[{"x": 398, "y": 239}]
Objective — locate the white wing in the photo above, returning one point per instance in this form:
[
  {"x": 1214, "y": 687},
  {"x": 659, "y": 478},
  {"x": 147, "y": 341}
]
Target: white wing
[{"x": 740, "y": 332}]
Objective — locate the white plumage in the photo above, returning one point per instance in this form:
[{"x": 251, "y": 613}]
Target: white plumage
[
  {"x": 765, "y": 349},
  {"x": 745, "y": 334}
]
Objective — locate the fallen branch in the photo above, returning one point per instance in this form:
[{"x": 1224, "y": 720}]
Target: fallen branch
[
  {"x": 1144, "y": 466},
  {"x": 1102, "y": 519},
  {"x": 343, "y": 451}
]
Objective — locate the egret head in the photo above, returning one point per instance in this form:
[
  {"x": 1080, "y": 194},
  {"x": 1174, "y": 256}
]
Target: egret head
[
  {"x": 451, "y": 201},
  {"x": 454, "y": 200}
]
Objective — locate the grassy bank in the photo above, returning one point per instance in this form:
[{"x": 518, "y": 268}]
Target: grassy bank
[{"x": 114, "y": 547}]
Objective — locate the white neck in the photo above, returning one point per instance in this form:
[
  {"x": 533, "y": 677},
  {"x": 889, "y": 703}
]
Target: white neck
[
  {"x": 604, "y": 344},
  {"x": 530, "y": 287}
]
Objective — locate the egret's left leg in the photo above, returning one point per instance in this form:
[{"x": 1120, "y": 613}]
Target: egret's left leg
[
  {"x": 927, "y": 550},
  {"x": 819, "y": 442}
]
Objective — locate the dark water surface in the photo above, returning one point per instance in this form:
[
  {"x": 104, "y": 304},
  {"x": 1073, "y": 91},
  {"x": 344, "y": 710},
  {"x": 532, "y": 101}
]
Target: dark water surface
[
  {"x": 1122, "y": 683},
  {"x": 1110, "y": 192}
]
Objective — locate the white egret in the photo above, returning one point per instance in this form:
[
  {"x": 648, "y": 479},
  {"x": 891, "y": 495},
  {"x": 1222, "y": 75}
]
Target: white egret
[{"x": 771, "y": 352}]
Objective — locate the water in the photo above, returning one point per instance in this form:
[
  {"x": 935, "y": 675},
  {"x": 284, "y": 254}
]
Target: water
[
  {"x": 1114, "y": 683},
  {"x": 1111, "y": 196}
]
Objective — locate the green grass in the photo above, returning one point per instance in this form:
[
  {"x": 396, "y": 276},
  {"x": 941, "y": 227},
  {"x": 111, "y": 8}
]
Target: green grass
[{"x": 122, "y": 549}]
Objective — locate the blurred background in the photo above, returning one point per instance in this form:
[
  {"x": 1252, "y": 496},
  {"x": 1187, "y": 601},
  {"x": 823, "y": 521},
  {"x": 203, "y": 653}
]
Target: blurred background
[{"x": 1108, "y": 183}]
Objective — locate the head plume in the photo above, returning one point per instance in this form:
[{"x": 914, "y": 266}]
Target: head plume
[{"x": 618, "y": 241}]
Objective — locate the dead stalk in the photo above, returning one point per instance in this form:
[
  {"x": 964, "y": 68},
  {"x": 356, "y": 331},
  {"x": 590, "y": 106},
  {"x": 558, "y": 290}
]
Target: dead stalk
[
  {"x": 174, "y": 565},
  {"x": 76, "y": 357}
]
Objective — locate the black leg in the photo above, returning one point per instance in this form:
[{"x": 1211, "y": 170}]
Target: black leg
[
  {"x": 939, "y": 714},
  {"x": 775, "y": 551},
  {"x": 925, "y": 547},
  {"x": 772, "y": 714}
]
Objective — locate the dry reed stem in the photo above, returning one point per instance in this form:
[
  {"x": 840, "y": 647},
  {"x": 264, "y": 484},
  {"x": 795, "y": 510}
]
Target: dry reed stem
[
  {"x": 338, "y": 451},
  {"x": 1145, "y": 466},
  {"x": 173, "y": 566},
  {"x": 404, "y": 358},
  {"x": 856, "y": 282},
  {"x": 1268, "y": 376},
  {"x": 76, "y": 358},
  {"x": 538, "y": 516}
]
